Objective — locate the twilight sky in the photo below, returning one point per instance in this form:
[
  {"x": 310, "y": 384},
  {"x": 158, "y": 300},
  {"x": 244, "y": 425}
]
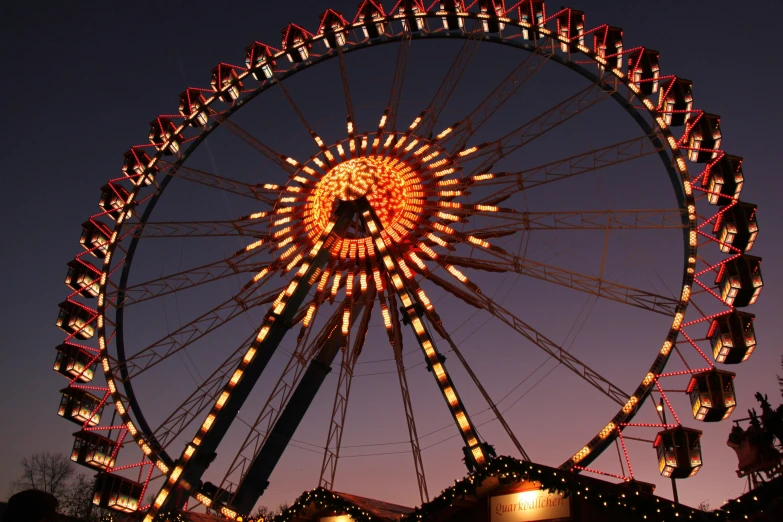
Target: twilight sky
[{"x": 83, "y": 81}]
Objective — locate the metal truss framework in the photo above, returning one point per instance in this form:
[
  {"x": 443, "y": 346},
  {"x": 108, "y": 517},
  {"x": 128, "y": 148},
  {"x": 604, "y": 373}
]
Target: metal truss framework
[{"x": 308, "y": 267}]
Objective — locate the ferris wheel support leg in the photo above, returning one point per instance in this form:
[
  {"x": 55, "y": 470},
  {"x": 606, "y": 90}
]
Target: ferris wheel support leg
[
  {"x": 476, "y": 452},
  {"x": 256, "y": 479},
  {"x": 201, "y": 451}
]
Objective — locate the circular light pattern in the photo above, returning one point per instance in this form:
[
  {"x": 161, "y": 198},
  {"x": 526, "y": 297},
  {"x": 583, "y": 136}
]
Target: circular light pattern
[
  {"x": 388, "y": 184},
  {"x": 400, "y": 183}
]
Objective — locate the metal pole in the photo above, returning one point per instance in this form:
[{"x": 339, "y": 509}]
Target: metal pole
[{"x": 674, "y": 482}]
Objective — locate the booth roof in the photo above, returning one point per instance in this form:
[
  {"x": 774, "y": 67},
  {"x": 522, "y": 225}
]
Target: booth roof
[
  {"x": 360, "y": 509},
  {"x": 378, "y": 508},
  {"x": 508, "y": 470}
]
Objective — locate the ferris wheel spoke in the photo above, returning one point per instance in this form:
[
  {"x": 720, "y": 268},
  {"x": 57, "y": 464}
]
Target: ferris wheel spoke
[
  {"x": 190, "y": 278},
  {"x": 547, "y": 345},
  {"x": 437, "y": 324},
  {"x": 317, "y": 139},
  {"x": 463, "y": 130},
  {"x": 275, "y": 325},
  {"x": 450, "y": 81},
  {"x": 491, "y": 152},
  {"x": 276, "y": 402},
  {"x": 252, "y": 226},
  {"x": 340, "y": 406},
  {"x": 389, "y": 120},
  {"x": 192, "y": 407},
  {"x": 593, "y": 285},
  {"x": 509, "y": 183},
  {"x": 171, "y": 344},
  {"x": 273, "y": 446},
  {"x": 286, "y": 163},
  {"x": 351, "y": 117},
  {"x": 413, "y": 434},
  {"x": 201, "y": 177},
  {"x": 476, "y": 451},
  {"x": 578, "y": 220}
]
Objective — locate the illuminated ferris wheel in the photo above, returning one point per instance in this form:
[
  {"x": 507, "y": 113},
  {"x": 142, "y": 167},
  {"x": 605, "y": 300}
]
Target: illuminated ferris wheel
[{"x": 386, "y": 226}]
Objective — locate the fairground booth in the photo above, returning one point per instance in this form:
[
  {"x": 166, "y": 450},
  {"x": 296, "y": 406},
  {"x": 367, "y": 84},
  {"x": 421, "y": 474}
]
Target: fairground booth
[
  {"x": 507, "y": 490},
  {"x": 510, "y": 490},
  {"x": 322, "y": 505}
]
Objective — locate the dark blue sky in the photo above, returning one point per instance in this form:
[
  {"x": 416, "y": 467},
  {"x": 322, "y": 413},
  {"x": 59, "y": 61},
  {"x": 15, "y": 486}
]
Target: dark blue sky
[{"x": 83, "y": 81}]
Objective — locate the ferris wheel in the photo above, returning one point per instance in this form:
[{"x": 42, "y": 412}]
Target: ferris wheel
[{"x": 365, "y": 239}]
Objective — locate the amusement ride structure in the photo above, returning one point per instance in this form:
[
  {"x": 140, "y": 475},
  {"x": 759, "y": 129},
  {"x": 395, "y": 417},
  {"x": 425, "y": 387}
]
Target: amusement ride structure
[{"x": 368, "y": 227}]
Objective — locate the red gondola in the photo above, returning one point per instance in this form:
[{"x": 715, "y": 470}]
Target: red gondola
[
  {"x": 712, "y": 395},
  {"x": 80, "y": 406},
  {"x": 93, "y": 450},
  {"x": 679, "y": 452},
  {"x": 733, "y": 337},
  {"x": 75, "y": 362}
]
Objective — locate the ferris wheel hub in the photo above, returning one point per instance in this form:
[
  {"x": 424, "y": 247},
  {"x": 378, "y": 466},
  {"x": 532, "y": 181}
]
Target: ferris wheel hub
[{"x": 389, "y": 184}]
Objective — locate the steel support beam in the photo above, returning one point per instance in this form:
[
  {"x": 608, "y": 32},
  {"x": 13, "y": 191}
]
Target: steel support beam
[
  {"x": 201, "y": 451},
  {"x": 256, "y": 478}
]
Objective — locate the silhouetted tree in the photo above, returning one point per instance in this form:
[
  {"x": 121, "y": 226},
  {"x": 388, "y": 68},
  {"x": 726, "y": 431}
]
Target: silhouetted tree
[
  {"x": 266, "y": 513},
  {"x": 780, "y": 379},
  {"x": 77, "y": 500},
  {"x": 44, "y": 471}
]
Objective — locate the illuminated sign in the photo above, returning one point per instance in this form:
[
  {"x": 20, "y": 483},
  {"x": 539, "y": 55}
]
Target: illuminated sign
[
  {"x": 341, "y": 518},
  {"x": 530, "y": 505}
]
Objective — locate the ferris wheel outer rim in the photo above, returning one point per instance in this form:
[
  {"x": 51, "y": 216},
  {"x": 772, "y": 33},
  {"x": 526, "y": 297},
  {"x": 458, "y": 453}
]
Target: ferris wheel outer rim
[{"x": 359, "y": 46}]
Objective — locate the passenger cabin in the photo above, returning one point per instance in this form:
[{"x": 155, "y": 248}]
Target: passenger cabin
[
  {"x": 608, "y": 44},
  {"x": 225, "y": 82},
  {"x": 332, "y": 28},
  {"x": 95, "y": 238},
  {"x": 75, "y": 362},
  {"x": 77, "y": 320},
  {"x": 491, "y": 11},
  {"x": 80, "y": 406},
  {"x": 732, "y": 337},
  {"x": 296, "y": 43},
  {"x": 644, "y": 69},
  {"x": 323, "y": 505},
  {"x": 724, "y": 180},
  {"x": 93, "y": 450},
  {"x": 571, "y": 25},
  {"x": 675, "y": 101},
  {"x": 135, "y": 166},
  {"x": 83, "y": 278},
  {"x": 712, "y": 395},
  {"x": 740, "y": 280},
  {"x": 193, "y": 107},
  {"x": 371, "y": 16},
  {"x": 258, "y": 59},
  {"x": 117, "y": 493},
  {"x": 679, "y": 452},
  {"x": 736, "y": 227},
  {"x": 532, "y": 12},
  {"x": 113, "y": 198},
  {"x": 704, "y": 138},
  {"x": 163, "y": 134},
  {"x": 453, "y": 12},
  {"x": 409, "y": 9}
]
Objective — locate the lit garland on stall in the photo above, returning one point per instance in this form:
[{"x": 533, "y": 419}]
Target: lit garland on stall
[
  {"x": 602, "y": 494},
  {"x": 768, "y": 496},
  {"x": 323, "y": 498}
]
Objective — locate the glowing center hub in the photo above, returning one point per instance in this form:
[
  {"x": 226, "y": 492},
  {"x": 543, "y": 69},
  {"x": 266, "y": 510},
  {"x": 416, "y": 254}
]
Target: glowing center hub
[
  {"x": 354, "y": 178},
  {"x": 385, "y": 182}
]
